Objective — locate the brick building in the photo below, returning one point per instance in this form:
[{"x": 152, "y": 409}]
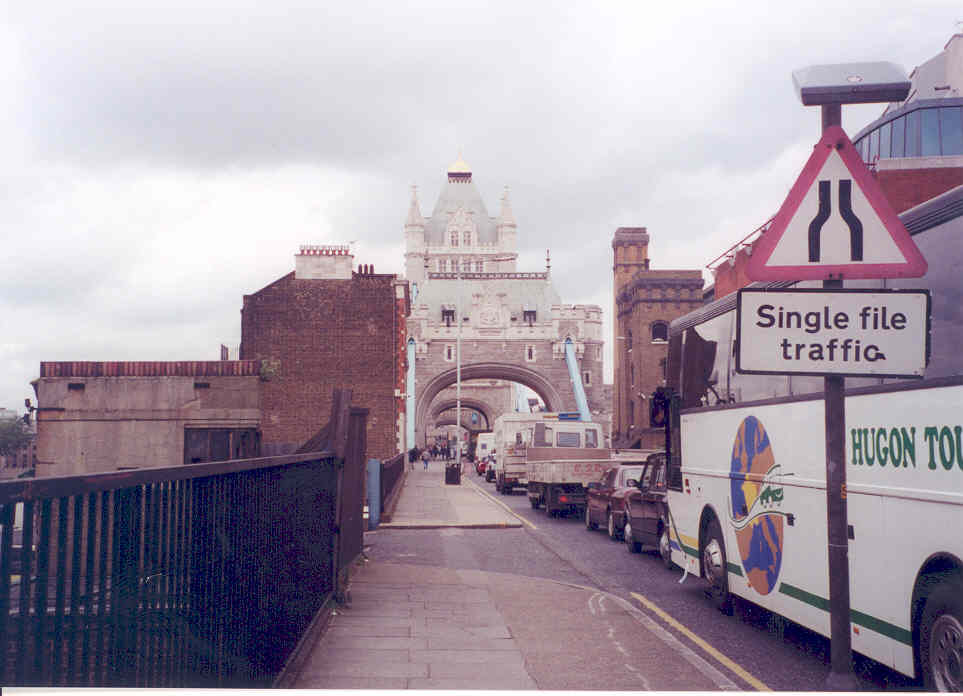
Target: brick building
[
  {"x": 646, "y": 300},
  {"x": 325, "y": 326}
]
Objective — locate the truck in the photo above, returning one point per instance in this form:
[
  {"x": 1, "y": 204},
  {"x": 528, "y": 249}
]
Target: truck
[
  {"x": 513, "y": 434},
  {"x": 564, "y": 458}
]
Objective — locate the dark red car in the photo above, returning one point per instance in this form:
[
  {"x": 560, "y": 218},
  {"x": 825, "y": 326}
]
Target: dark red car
[
  {"x": 605, "y": 499},
  {"x": 646, "y": 511}
]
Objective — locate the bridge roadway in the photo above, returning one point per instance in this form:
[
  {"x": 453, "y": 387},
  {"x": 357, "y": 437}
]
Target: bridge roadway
[{"x": 467, "y": 589}]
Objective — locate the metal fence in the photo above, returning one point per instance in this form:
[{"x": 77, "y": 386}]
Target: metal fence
[
  {"x": 391, "y": 471},
  {"x": 199, "y": 576}
]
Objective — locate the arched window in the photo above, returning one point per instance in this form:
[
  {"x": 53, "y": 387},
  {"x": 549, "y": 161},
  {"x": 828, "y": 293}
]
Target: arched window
[
  {"x": 466, "y": 238},
  {"x": 453, "y": 237},
  {"x": 660, "y": 332},
  {"x": 628, "y": 340}
]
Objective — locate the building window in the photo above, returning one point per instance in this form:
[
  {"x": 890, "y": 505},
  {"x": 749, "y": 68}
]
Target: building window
[
  {"x": 478, "y": 267},
  {"x": 529, "y": 353},
  {"x": 466, "y": 238},
  {"x": 951, "y": 134},
  {"x": 587, "y": 378},
  {"x": 528, "y": 316},
  {"x": 930, "y": 142},
  {"x": 631, "y": 412},
  {"x": 449, "y": 353},
  {"x": 447, "y": 316},
  {"x": 443, "y": 265},
  {"x": 632, "y": 375},
  {"x": 660, "y": 332},
  {"x": 663, "y": 367},
  {"x": 897, "y": 140},
  {"x": 628, "y": 340},
  {"x": 913, "y": 134},
  {"x": 453, "y": 238},
  {"x": 465, "y": 266}
]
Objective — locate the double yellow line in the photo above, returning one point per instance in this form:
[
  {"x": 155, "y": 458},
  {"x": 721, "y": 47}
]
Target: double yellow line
[{"x": 718, "y": 656}]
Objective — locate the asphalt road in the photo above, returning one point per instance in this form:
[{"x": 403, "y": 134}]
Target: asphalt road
[{"x": 780, "y": 654}]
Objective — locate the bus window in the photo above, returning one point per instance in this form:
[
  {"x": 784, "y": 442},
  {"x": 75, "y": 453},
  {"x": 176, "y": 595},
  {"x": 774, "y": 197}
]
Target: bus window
[
  {"x": 591, "y": 438},
  {"x": 568, "y": 440}
]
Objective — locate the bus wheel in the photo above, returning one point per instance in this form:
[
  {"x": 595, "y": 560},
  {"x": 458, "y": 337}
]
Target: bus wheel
[
  {"x": 665, "y": 550},
  {"x": 941, "y": 639},
  {"x": 714, "y": 567}
]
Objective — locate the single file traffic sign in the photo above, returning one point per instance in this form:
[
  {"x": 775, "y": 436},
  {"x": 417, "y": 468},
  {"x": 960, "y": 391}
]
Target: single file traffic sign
[
  {"x": 836, "y": 223},
  {"x": 850, "y": 333}
]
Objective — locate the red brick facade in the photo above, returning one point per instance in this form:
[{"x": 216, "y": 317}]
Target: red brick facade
[
  {"x": 906, "y": 188},
  {"x": 313, "y": 335}
]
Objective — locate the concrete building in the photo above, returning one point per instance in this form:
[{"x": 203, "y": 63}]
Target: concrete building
[
  {"x": 513, "y": 324},
  {"x": 326, "y": 326},
  {"x": 646, "y": 300},
  {"x": 104, "y": 416}
]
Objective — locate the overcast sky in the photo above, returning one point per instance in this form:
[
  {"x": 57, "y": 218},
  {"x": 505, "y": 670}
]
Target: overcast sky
[{"x": 158, "y": 162}]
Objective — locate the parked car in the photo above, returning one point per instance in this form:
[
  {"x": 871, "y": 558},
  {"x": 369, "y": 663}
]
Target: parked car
[
  {"x": 646, "y": 511},
  {"x": 605, "y": 500}
]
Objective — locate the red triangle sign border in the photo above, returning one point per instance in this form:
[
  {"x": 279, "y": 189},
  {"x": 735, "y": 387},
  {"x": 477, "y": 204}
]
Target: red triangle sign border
[{"x": 835, "y": 138}]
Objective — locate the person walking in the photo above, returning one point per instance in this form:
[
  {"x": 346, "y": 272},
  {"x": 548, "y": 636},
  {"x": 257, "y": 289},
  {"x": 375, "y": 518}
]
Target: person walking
[{"x": 425, "y": 457}]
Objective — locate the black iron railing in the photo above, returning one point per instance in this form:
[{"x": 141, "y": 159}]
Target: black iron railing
[
  {"x": 201, "y": 576},
  {"x": 391, "y": 471}
]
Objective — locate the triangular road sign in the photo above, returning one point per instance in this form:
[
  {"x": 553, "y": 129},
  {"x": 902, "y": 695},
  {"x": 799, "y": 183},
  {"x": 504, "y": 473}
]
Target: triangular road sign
[{"x": 835, "y": 223}]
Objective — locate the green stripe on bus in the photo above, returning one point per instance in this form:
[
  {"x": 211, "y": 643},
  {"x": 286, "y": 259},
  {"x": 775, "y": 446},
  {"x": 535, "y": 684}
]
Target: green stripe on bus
[
  {"x": 734, "y": 569},
  {"x": 884, "y": 628}
]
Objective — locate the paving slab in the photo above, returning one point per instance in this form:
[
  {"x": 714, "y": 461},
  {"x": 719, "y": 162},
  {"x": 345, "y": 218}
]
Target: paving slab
[{"x": 423, "y": 627}]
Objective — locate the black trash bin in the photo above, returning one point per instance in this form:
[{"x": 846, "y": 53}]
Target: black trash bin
[{"x": 453, "y": 473}]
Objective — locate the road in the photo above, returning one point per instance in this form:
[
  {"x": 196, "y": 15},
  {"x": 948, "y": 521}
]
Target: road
[{"x": 755, "y": 647}]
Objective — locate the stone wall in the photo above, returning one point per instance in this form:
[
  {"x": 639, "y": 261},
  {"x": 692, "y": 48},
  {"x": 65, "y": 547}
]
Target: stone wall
[{"x": 133, "y": 415}]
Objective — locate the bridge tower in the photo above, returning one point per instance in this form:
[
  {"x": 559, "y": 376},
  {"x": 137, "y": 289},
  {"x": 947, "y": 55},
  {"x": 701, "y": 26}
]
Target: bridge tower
[{"x": 513, "y": 324}]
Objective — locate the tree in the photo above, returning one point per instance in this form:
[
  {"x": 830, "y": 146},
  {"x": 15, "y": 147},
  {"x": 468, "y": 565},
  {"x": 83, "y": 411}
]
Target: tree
[{"x": 14, "y": 436}]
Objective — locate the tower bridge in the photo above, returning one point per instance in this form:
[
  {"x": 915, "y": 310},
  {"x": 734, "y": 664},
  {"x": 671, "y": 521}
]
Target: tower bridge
[{"x": 512, "y": 324}]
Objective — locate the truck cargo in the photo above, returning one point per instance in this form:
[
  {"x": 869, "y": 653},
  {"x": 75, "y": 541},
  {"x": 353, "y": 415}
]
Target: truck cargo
[{"x": 565, "y": 456}]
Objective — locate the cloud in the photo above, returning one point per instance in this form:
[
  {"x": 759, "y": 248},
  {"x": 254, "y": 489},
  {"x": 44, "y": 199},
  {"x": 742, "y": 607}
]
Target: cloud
[{"x": 162, "y": 160}]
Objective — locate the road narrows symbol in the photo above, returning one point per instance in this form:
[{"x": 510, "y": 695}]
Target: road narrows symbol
[{"x": 845, "y": 210}]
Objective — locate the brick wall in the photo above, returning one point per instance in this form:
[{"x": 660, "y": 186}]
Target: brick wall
[
  {"x": 651, "y": 296},
  {"x": 906, "y": 188},
  {"x": 313, "y": 335}
]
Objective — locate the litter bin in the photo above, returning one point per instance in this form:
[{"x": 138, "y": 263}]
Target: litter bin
[{"x": 453, "y": 473}]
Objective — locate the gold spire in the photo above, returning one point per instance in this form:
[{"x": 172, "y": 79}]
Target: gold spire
[{"x": 459, "y": 166}]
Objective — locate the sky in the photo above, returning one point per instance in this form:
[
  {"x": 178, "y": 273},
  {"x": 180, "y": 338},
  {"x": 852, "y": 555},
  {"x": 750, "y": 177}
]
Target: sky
[{"x": 160, "y": 161}]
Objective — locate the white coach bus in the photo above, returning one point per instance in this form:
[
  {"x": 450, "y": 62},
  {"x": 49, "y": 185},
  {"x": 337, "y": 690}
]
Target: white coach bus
[{"x": 747, "y": 483}]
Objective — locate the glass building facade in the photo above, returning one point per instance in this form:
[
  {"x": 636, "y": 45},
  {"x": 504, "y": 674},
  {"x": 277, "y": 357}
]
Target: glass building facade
[{"x": 922, "y": 128}]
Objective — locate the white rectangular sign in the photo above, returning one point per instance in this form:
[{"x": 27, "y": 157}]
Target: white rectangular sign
[{"x": 855, "y": 333}]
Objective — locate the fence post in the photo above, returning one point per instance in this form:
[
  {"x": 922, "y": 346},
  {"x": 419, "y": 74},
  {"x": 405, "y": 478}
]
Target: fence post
[{"x": 374, "y": 493}]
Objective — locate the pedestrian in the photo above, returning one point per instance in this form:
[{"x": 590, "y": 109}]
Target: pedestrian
[{"x": 424, "y": 458}]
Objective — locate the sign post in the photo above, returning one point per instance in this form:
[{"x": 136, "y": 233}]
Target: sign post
[{"x": 835, "y": 224}]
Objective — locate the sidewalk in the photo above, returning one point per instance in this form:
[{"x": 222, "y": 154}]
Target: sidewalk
[
  {"x": 422, "y": 627},
  {"x": 426, "y": 502}
]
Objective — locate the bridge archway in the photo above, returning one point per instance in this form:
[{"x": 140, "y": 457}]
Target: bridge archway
[
  {"x": 470, "y": 404},
  {"x": 532, "y": 379}
]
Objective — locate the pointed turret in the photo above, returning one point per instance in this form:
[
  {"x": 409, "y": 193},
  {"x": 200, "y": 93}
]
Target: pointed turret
[
  {"x": 414, "y": 210},
  {"x": 415, "y": 250},
  {"x": 505, "y": 226}
]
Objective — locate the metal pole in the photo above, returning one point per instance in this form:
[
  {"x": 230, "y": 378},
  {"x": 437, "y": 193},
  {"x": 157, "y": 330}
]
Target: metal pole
[
  {"x": 841, "y": 677},
  {"x": 458, "y": 367}
]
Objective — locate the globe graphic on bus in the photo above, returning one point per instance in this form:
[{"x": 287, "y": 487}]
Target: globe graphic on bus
[{"x": 758, "y": 526}]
